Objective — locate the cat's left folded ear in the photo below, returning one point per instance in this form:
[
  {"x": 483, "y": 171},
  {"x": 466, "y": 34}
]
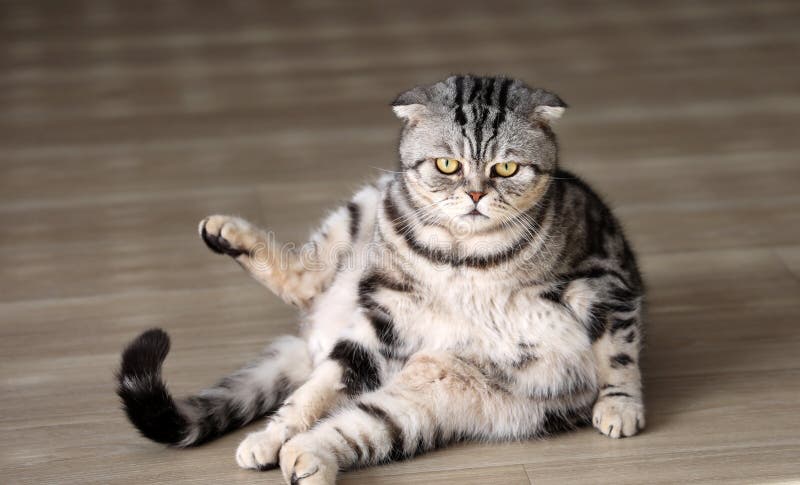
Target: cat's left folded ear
[
  {"x": 411, "y": 105},
  {"x": 542, "y": 105}
]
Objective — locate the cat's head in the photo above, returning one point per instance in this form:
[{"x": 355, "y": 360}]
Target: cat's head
[{"x": 477, "y": 151}]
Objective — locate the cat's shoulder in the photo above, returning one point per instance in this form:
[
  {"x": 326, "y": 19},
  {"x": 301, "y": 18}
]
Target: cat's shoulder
[{"x": 573, "y": 184}]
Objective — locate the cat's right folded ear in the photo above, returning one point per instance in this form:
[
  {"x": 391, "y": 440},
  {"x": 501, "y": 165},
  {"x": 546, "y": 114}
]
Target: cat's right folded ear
[{"x": 411, "y": 105}]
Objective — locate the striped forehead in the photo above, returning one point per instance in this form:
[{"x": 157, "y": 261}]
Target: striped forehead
[{"x": 479, "y": 108}]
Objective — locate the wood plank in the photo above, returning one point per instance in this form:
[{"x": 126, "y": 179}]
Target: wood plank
[
  {"x": 467, "y": 476},
  {"x": 746, "y": 465},
  {"x": 124, "y": 123},
  {"x": 791, "y": 258}
]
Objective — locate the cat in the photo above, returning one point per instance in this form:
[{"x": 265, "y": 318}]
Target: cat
[{"x": 478, "y": 293}]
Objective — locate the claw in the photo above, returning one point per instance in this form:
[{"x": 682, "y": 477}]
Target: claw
[{"x": 295, "y": 480}]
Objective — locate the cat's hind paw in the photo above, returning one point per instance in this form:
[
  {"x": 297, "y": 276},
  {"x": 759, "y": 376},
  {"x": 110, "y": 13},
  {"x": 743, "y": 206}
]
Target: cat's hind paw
[
  {"x": 618, "y": 416},
  {"x": 302, "y": 463},
  {"x": 228, "y": 235}
]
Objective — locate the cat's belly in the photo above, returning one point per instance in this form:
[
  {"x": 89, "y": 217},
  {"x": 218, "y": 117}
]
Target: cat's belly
[
  {"x": 334, "y": 315},
  {"x": 536, "y": 346}
]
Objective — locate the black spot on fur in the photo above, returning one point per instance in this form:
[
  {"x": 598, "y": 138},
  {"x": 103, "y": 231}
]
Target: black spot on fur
[
  {"x": 560, "y": 421},
  {"x": 461, "y": 118},
  {"x": 595, "y": 273},
  {"x": 618, "y": 300},
  {"x": 596, "y": 325},
  {"x": 383, "y": 324},
  {"x": 621, "y": 324},
  {"x": 395, "y": 432},
  {"x": 527, "y": 356},
  {"x": 624, "y": 294},
  {"x": 361, "y": 371},
  {"x": 379, "y": 316},
  {"x": 355, "y": 219},
  {"x": 621, "y": 360},
  {"x": 555, "y": 293},
  {"x": 438, "y": 440},
  {"x": 352, "y": 444},
  {"x": 370, "y": 284},
  {"x": 370, "y": 448},
  {"x": 477, "y": 85}
]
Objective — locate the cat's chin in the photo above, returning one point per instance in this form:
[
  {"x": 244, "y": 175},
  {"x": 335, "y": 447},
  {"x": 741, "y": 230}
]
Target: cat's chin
[{"x": 474, "y": 222}]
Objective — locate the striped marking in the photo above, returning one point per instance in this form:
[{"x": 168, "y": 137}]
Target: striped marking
[
  {"x": 359, "y": 369},
  {"x": 621, "y": 360},
  {"x": 392, "y": 428},
  {"x": 355, "y": 219},
  {"x": 392, "y": 213}
]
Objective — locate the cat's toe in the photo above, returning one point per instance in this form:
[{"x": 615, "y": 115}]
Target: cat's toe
[
  {"x": 618, "y": 417},
  {"x": 302, "y": 464},
  {"x": 258, "y": 451},
  {"x": 224, "y": 235}
]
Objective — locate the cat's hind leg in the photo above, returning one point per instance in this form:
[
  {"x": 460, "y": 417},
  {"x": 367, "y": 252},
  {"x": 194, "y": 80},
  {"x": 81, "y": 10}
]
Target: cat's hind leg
[
  {"x": 249, "y": 393},
  {"x": 434, "y": 399},
  {"x": 350, "y": 369}
]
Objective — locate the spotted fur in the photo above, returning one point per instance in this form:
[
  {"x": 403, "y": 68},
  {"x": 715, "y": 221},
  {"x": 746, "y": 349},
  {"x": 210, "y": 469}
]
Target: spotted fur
[{"x": 429, "y": 317}]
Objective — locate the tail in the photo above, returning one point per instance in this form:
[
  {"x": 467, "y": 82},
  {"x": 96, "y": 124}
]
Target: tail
[{"x": 236, "y": 400}]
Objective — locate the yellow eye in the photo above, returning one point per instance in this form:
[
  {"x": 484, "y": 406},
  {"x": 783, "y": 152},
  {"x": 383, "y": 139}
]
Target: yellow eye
[
  {"x": 447, "y": 165},
  {"x": 505, "y": 169}
]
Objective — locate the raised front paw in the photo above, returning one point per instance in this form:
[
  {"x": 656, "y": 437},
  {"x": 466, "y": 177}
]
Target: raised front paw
[
  {"x": 618, "y": 416},
  {"x": 259, "y": 451},
  {"x": 228, "y": 235},
  {"x": 304, "y": 462}
]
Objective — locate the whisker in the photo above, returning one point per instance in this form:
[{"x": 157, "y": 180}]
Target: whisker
[
  {"x": 385, "y": 170},
  {"x": 407, "y": 222}
]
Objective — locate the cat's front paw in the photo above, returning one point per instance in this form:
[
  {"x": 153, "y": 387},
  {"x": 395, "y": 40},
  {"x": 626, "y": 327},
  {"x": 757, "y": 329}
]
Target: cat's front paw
[
  {"x": 618, "y": 416},
  {"x": 228, "y": 235},
  {"x": 303, "y": 462},
  {"x": 259, "y": 451}
]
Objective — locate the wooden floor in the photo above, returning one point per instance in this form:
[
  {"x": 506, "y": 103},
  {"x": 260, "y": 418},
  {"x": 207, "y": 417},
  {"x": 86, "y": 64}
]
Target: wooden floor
[{"x": 122, "y": 123}]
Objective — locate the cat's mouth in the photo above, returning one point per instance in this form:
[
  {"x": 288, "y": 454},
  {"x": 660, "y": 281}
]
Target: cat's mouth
[{"x": 476, "y": 212}]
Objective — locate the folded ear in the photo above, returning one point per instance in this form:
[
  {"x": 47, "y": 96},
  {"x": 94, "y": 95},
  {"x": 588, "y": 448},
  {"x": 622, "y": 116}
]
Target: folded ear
[
  {"x": 410, "y": 112},
  {"x": 549, "y": 113},
  {"x": 539, "y": 104},
  {"x": 411, "y": 105}
]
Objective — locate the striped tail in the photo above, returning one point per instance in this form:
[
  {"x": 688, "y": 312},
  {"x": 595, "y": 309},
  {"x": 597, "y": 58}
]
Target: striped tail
[{"x": 236, "y": 400}]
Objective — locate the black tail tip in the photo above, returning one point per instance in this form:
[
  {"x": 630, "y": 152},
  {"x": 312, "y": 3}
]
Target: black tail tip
[{"x": 145, "y": 353}]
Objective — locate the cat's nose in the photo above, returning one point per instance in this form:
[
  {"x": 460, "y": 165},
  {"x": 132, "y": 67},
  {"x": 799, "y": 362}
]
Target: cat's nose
[{"x": 476, "y": 196}]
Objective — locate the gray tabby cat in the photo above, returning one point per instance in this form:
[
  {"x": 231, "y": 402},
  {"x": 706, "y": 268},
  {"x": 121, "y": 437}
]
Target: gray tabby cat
[{"x": 479, "y": 293}]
